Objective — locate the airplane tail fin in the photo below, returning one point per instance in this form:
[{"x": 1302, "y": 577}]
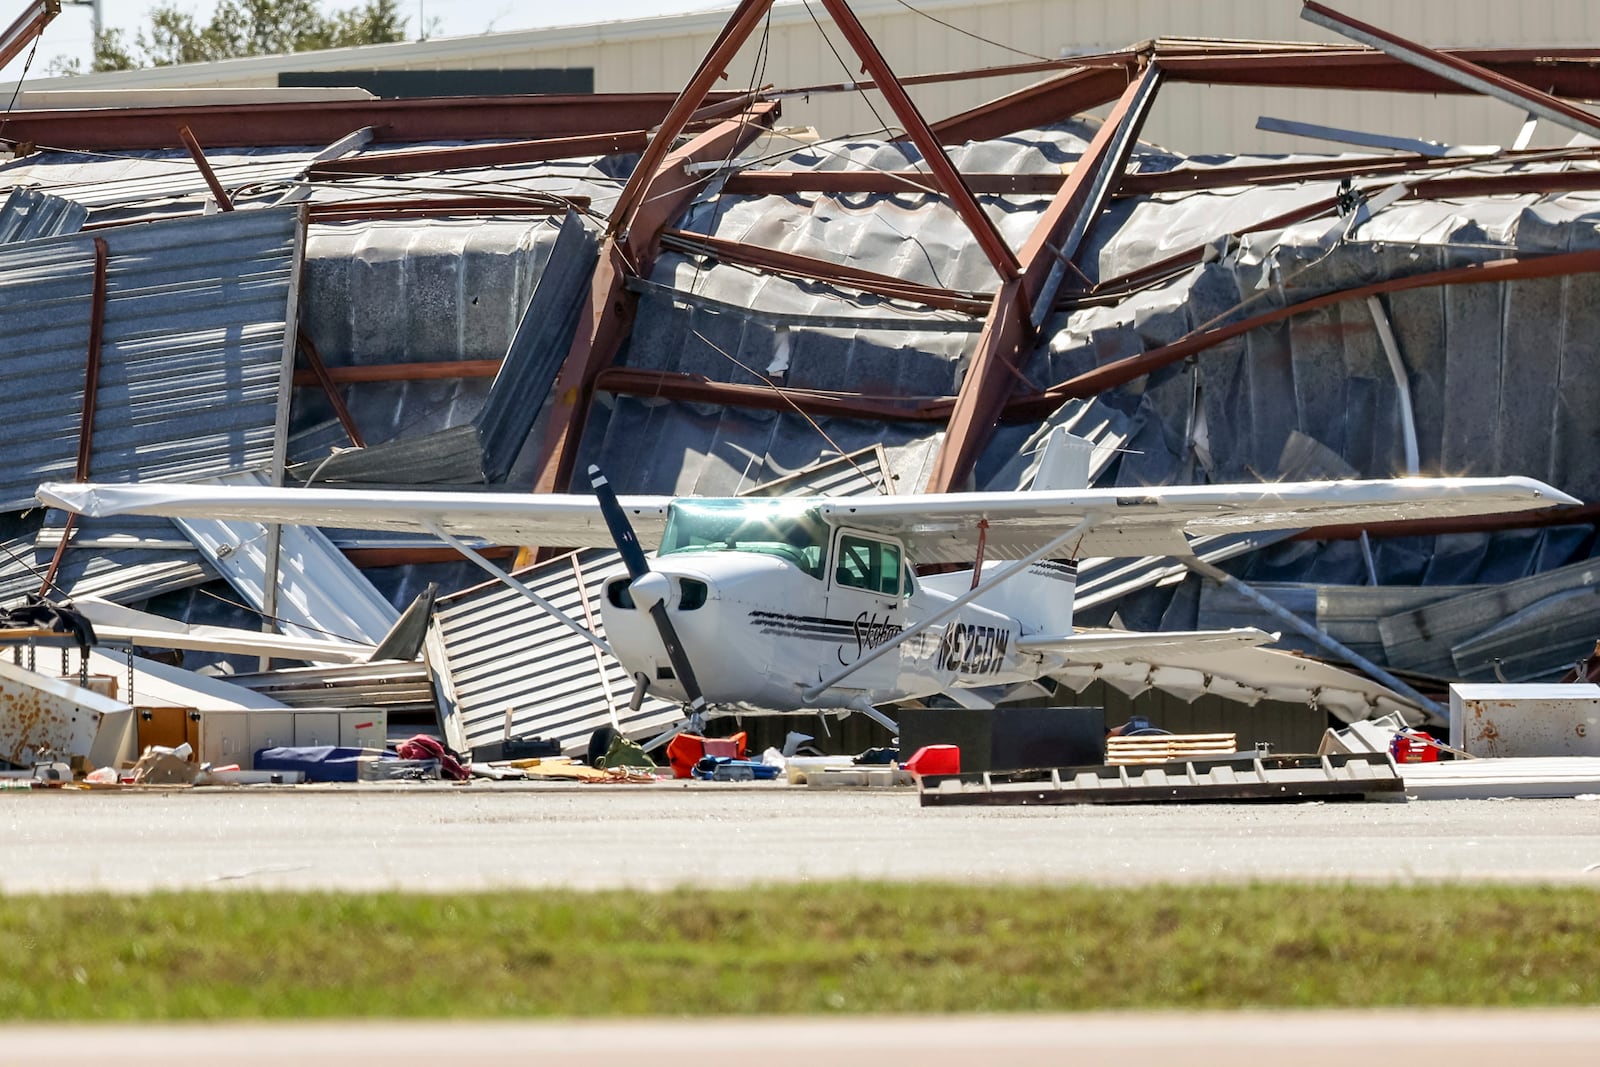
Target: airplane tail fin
[{"x": 1066, "y": 462}]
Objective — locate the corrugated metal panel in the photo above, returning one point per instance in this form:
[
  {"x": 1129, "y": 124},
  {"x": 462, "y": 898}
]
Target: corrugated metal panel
[
  {"x": 126, "y": 559},
  {"x": 1347, "y": 613},
  {"x": 1093, "y": 420},
  {"x": 191, "y": 357},
  {"x": 1538, "y": 626},
  {"x": 319, "y": 591},
  {"x": 485, "y": 449},
  {"x": 540, "y": 346},
  {"x": 864, "y": 472},
  {"x": 401, "y": 689},
  {"x": 28, "y": 215},
  {"x": 148, "y": 180},
  {"x": 703, "y": 450},
  {"x": 504, "y": 654}
]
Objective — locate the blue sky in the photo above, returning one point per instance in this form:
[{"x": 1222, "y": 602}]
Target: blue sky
[{"x": 70, "y": 35}]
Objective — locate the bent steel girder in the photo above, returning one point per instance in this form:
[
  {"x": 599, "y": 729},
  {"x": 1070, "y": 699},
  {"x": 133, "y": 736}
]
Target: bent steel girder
[
  {"x": 1470, "y": 76},
  {"x": 942, "y": 171},
  {"x": 630, "y": 253},
  {"x": 1046, "y": 258},
  {"x": 1564, "y": 72}
]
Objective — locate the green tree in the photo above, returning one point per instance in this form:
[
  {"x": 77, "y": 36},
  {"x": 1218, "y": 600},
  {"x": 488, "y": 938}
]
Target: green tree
[{"x": 247, "y": 28}]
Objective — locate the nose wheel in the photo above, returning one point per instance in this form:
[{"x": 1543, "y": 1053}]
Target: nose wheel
[{"x": 693, "y": 722}]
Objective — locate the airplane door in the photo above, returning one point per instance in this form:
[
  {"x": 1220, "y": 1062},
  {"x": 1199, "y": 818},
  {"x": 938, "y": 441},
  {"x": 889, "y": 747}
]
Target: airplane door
[{"x": 865, "y": 602}]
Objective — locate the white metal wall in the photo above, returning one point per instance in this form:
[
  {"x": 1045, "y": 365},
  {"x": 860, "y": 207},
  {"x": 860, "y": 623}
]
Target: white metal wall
[{"x": 659, "y": 54}]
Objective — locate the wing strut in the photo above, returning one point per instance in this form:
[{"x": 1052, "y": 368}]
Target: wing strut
[
  {"x": 951, "y": 608},
  {"x": 433, "y": 527}
]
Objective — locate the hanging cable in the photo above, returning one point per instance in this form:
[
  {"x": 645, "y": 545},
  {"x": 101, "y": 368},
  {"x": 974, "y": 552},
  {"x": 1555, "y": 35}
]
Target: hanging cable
[
  {"x": 881, "y": 485},
  {"x": 974, "y": 36},
  {"x": 12, "y": 103}
]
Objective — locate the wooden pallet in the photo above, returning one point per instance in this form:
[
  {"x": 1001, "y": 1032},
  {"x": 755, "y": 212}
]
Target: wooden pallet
[{"x": 1162, "y": 748}]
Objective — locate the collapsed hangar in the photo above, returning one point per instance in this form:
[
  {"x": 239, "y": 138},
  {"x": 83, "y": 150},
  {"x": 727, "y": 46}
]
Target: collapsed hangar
[{"x": 459, "y": 292}]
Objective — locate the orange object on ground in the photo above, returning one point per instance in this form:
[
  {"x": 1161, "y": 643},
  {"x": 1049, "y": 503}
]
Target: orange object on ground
[
  {"x": 934, "y": 759},
  {"x": 686, "y": 750}
]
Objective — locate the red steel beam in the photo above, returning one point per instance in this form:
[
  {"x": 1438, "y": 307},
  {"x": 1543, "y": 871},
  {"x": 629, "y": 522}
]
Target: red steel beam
[
  {"x": 198, "y": 154},
  {"x": 91, "y": 399},
  {"x": 664, "y": 193},
  {"x": 994, "y": 365},
  {"x": 27, "y": 26},
  {"x": 320, "y": 374},
  {"x": 320, "y": 122},
  {"x": 1470, "y": 76},
  {"x": 466, "y": 157},
  {"x": 713, "y": 66},
  {"x": 1040, "y": 66},
  {"x": 671, "y": 385},
  {"x": 1568, "y": 72},
  {"x": 1039, "y": 105},
  {"x": 1549, "y": 181},
  {"x": 1511, "y": 520},
  {"x": 1180, "y": 179},
  {"x": 1572, "y": 72},
  {"x": 798, "y": 266},
  {"x": 943, "y": 171},
  {"x": 1126, "y": 370}
]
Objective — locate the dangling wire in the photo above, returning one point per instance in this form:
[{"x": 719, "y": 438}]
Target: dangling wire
[
  {"x": 21, "y": 78},
  {"x": 881, "y": 484}
]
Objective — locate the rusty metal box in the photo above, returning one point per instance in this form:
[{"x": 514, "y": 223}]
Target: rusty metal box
[{"x": 1526, "y": 720}]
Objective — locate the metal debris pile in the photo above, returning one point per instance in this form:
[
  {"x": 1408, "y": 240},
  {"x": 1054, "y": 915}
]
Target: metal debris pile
[{"x": 498, "y": 291}]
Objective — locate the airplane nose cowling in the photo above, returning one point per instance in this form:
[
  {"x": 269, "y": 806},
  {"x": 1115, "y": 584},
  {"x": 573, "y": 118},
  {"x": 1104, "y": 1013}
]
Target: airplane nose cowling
[{"x": 650, "y": 589}]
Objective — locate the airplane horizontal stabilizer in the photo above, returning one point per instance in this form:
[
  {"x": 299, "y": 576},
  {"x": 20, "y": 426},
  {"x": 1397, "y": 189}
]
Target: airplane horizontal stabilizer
[{"x": 1116, "y": 644}]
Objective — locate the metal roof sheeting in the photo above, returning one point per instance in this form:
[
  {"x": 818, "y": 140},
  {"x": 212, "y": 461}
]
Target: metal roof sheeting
[
  {"x": 688, "y": 449},
  {"x": 28, "y": 215},
  {"x": 398, "y": 687},
  {"x": 191, "y": 357},
  {"x": 499, "y": 657}
]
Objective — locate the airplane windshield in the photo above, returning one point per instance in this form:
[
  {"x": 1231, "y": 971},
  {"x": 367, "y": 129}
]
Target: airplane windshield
[{"x": 783, "y": 528}]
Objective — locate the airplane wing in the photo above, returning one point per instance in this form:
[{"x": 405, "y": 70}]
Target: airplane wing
[
  {"x": 944, "y": 527},
  {"x": 937, "y": 527},
  {"x": 551, "y": 520}
]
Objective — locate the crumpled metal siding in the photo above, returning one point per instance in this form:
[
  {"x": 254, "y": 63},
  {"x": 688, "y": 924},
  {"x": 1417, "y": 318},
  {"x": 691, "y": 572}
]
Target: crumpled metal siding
[
  {"x": 191, "y": 353},
  {"x": 705, "y": 450},
  {"x": 400, "y": 688},
  {"x": 125, "y": 559},
  {"x": 28, "y": 215},
  {"x": 503, "y": 655}
]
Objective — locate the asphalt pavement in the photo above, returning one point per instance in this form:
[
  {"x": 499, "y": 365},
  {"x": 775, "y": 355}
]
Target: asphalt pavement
[{"x": 442, "y": 838}]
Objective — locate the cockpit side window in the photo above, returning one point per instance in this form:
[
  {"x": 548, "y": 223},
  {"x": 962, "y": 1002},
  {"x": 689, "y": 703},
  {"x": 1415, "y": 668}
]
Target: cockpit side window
[{"x": 867, "y": 564}]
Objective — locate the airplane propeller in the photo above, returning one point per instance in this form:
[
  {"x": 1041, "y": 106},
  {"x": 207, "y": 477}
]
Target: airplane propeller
[{"x": 649, "y": 590}]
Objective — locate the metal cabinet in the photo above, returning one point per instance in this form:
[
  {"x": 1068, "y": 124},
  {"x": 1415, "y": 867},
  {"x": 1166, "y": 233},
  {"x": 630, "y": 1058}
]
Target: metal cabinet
[
  {"x": 228, "y": 737},
  {"x": 316, "y": 728},
  {"x": 364, "y": 729}
]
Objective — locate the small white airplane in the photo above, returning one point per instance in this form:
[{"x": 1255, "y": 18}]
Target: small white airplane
[{"x": 806, "y": 604}]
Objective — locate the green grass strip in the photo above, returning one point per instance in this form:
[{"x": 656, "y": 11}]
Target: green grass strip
[{"x": 844, "y": 947}]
